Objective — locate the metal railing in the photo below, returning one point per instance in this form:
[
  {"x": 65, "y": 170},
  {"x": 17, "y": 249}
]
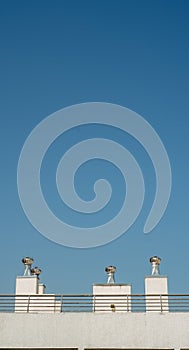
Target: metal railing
[{"x": 49, "y": 303}]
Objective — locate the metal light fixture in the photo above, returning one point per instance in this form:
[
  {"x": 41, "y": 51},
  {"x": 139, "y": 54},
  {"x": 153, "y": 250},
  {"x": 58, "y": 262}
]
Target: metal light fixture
[
  {"x": 27, "y": 261},
  {"x": 36, "y": 271},
  {"x": 110, "y": 272},
  {"x": 155, "y": 262}
]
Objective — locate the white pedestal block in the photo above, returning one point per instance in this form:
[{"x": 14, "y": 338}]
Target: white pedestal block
[
  {"x": 156, "y": 291},
  {"x": 111, "y": 297}
]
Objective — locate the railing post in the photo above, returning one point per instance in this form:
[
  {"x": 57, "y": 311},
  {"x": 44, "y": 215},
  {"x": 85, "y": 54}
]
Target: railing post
[
  {"x": 94, "y": 301},
  {"x": 127, "y": 303},
  {"x": 161, "y": 304},
  {"x": 28, "y": 305},
  {"x": 61, "y": 303}
]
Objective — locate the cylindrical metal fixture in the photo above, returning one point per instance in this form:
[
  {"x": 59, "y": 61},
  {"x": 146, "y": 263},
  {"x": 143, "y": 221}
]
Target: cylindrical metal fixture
[
  {"x": 110, "y": 272},
  {"x": 36, "y": 271},
  {"x": 27, "y": 261},
  {"x": 155, "y": 262}
]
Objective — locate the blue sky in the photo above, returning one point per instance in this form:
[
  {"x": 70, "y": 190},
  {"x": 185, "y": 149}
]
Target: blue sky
[{"x": 59, "y": 53}]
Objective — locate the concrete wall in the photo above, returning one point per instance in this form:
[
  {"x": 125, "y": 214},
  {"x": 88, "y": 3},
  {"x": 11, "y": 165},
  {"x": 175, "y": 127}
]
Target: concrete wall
[
  {"x": 27, "y": 285},
  {"x": 95, "y": 330},
  {"x": 156, "y": 285},
  {"x": 115, "y": 297}
]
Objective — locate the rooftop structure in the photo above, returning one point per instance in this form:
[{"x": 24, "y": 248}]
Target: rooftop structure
[{"x": 109, "y": 318}]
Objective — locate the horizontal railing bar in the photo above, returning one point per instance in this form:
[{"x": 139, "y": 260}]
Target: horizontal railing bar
[
  {"x": 91, "y": 295},
  {"x": 36, "y": 303}
]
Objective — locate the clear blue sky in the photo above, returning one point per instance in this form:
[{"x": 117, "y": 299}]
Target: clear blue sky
[{"x": 59, "y": 53}]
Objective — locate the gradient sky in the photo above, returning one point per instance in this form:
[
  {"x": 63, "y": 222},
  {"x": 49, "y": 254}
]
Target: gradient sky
[{"x": 59, "y": 53}]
